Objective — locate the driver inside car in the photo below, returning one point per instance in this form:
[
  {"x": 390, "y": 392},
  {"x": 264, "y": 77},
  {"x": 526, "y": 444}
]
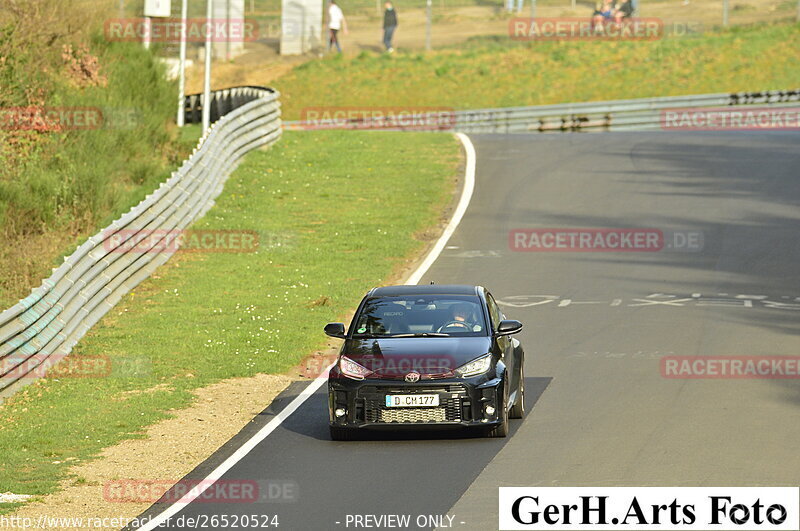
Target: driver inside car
[{"x": 462, "y": 319}]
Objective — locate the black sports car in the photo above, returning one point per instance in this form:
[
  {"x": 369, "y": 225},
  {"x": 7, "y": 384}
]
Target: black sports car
[{"x": 426, "y": 356}]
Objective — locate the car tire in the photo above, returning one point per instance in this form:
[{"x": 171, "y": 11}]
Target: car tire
[
  {"x": 501, "y": 430},
  {"x": 342, "y": 434},
  {"x": 518, "y": 409}
]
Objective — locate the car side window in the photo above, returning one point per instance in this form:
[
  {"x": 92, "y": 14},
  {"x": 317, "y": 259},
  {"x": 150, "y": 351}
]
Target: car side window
[{"x": 494, "y": 311}]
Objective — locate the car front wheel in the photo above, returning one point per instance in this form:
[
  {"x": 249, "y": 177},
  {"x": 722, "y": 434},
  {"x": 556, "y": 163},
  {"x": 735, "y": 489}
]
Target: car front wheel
[{"x": 518, "y": 409}]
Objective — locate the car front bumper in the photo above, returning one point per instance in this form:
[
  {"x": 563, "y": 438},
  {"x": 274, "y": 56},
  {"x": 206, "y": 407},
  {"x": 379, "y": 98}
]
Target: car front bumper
[{"x": 463, "y": 403}]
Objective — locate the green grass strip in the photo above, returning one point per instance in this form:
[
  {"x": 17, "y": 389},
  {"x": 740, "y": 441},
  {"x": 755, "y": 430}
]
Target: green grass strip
[{"x": 499, "y": 72}]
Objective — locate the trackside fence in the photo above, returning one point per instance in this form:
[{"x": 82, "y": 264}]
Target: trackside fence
[{"x": 618, "y": 115}]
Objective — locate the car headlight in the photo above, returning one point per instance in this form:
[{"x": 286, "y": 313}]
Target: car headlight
[
  {"x": 476, "y": 366},
  {"x": 352, "y": 369}
]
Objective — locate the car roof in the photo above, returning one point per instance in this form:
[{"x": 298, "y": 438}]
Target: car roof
[{"x": 425, "y": 289}]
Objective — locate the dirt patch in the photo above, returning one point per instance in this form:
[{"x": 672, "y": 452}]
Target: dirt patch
[
  {"x": 260, "y": 65},
  {"x": 163, "y": 455}
]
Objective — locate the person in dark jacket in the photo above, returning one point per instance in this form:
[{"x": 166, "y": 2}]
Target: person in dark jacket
[
  {"x": 623, "y": 9},
  {"x": 389, "y": 25}
]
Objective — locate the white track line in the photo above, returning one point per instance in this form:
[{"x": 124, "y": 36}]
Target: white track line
[
  {"x": 263, "y": 433},
  {"x": 461, "y": 208}
]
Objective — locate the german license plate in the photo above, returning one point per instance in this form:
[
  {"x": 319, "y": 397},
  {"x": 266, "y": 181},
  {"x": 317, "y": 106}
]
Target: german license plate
[{"x": 412, "y": 400}]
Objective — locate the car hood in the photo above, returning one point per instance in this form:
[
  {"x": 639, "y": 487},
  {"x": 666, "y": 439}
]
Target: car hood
[{"x": 436, "y": 356}]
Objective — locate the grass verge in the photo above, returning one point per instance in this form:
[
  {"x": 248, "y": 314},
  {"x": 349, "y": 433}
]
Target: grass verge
[
  {"x": 497, "y": 72},
  {"x": 336, "y": 214}
]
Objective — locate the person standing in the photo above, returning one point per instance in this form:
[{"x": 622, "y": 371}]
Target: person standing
[
  {"x": 336, "y": 22},
  {"x": 389, "y": 25}
]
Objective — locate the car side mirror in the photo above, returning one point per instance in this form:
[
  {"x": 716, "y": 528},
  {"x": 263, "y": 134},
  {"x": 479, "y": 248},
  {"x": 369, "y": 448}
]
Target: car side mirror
[
  {"x": 336, "y": 330},
  {"x": 508, "y": 327}
]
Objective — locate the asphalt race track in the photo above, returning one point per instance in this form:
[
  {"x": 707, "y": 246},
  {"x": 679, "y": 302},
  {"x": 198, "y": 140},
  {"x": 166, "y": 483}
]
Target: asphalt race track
[{"x": 597, "y": 325}]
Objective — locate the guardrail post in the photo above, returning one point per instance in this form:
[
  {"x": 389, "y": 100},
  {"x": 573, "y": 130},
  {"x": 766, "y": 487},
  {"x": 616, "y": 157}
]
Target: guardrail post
[
  {"x": 428, "y": 21},
  {"x": 182, "y": 68},
  {"x": 207, "y": 73}
]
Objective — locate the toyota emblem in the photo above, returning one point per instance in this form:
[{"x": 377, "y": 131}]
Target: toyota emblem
[{"x": 412, "y": 377}]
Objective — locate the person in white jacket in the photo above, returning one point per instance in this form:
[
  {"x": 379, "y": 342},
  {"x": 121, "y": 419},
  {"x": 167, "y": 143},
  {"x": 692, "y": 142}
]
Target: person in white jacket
[{"x": 336, "y": 22}]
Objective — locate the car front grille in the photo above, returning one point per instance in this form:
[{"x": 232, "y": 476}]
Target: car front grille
[
  {"x": 413, "y": 414},
  {"x": 453, "y": 400}
]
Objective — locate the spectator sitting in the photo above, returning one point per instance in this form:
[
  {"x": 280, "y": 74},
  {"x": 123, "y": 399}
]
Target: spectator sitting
[
  {"x": 623, "y": 10},
  {"x": 603, "y": 12}
]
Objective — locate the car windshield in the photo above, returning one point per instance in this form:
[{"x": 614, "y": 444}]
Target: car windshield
[{"x": 423, "y": 316}]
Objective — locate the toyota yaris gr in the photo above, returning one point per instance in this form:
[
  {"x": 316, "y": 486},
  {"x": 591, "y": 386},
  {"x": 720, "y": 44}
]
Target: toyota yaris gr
[{"x": 432, "y": 356}]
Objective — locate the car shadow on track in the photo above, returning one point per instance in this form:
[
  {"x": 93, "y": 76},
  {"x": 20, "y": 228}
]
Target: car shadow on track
[{"x": 312, "y": 421}]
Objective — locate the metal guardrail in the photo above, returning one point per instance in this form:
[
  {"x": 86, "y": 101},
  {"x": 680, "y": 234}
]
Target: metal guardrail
[
  {"x": 44, "y": 327},
  {"x": 618, "y": 115},
  {"x": 222, "y": 102}
]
